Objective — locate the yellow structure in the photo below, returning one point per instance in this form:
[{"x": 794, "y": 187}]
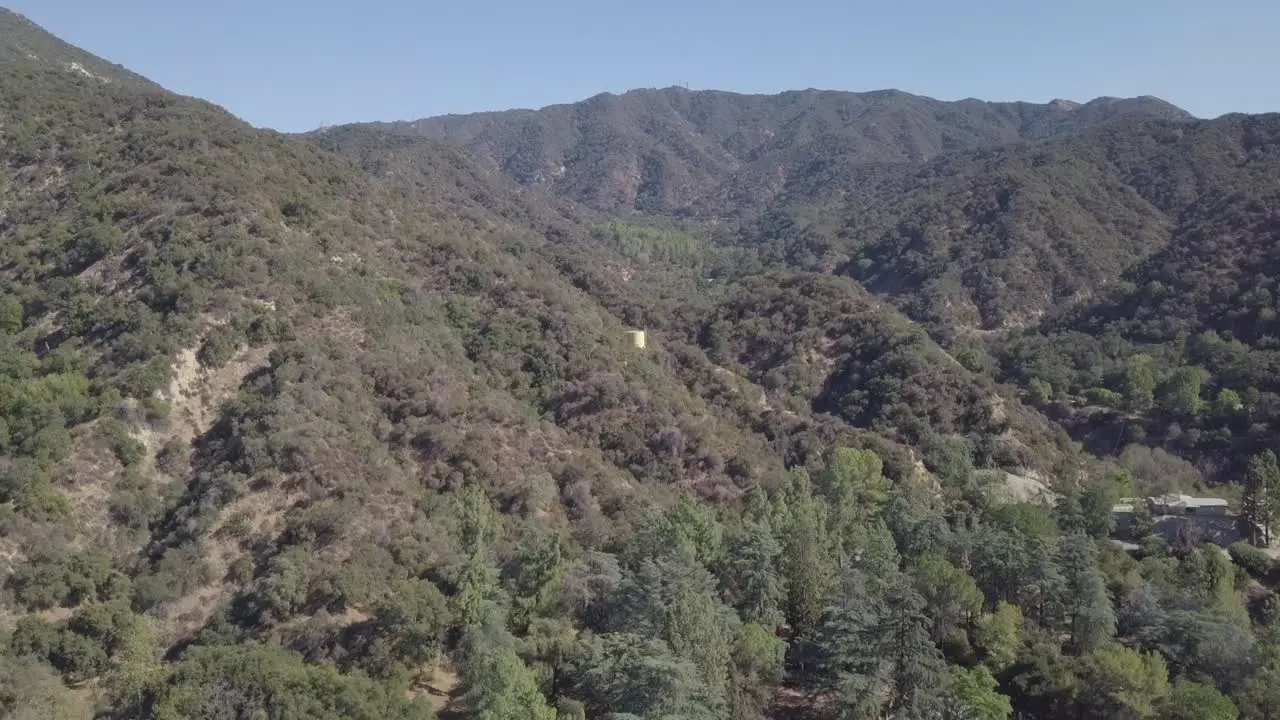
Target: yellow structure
[{"x": 637, "y": 338}]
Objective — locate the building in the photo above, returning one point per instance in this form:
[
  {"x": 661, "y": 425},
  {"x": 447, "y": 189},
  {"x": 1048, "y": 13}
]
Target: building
[{"x": 1209, "y": 517}]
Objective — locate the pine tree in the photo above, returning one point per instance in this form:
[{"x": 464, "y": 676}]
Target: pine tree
[
  {"x": 499, "y": 685},
  {"x": 753, "y": 577},
  {"x": 1086, "y": 606},
  {"x": 808, "y": 560},
  {"x": 876, "y": 651},
  {"x": 1259, "y": 505}
]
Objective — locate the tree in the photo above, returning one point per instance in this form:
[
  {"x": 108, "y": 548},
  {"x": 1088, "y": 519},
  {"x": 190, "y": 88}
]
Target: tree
[
  {"x": 1259, "y": 697},
  {"x": 478, "y": 588},
  {"x": 688, "y": 527},
  {"x": 1041, "y": 392},
  {"x": 950, "y": 594},
  {"x": 31, "y": 690},
  {"x": 10, "y": 315},
  {"x": 255, "y": 681},
  {"x": 752, "y": 575},
  {"x": 676, "y": 600},
  {"x": 1139, "y": 384},
  {"x": 973, "y": 696},
  {"x": 808, "y": 560},
  {"x": 757, "y": 668},
  {"x": 856, "y": 490},
  {"x": 1195, "y": 701},
  {"x": 1258, "y": 506},
  {"x": 876, "y": 650},
  {"x": 539, "y": 571},
  {"x": 499, "y": 685},
  {"x": 1121, "y": 683},
  {"x": 1090, "y": 618},
  {"x": 1228, "y": 402},
  {"x": 629, "y": 675},
  {"x": 1180, "y": 393},
  {"x": 1096, "y": 503},
  {"x": 998, "y": 635}
]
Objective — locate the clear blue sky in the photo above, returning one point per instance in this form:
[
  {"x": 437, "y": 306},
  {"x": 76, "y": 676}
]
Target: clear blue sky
[{"x": 293, "y": 65}]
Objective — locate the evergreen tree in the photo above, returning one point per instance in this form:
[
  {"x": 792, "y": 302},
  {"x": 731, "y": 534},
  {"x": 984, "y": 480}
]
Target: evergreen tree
[
  {"x": 808, "y": 563},
  {"x": 950, "y": 595},
  {"x": 676, "y": 601},
  {"x": 876, "y": 651},
  {"x": 752, "y": 575},
  {"x": 629, "y": 675},
  {"x": 855, "y": 489},
  {"x": 1086, "y": 607},
  {"x": 1258, "y": 505},
  {"x": 499, "y": 685}
]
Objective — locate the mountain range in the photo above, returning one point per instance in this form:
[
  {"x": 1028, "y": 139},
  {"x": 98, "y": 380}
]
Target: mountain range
[
  {"x": 348, "y": 424},
  {"x": 674, "y": 149}
]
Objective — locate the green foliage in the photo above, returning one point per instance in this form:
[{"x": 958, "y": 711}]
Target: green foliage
[
  {"x": 1139, "y": 385},
  {"x": 1260, "y": 503},
  {"x": 1041, "y": 391},
  {"x": 499, "y": 685},
  {"x": 1195, "y": 701},
  {"x": 1090, "y": 617},
  {"x": 1254, "y": 561},
  {"x": 876, "y": 652},
  {"x": 1181, "y": 392},
  {"x": 53, "y": 578},
  {"x": 973, "y": 694},
  {"x": 753, "y": 577},
  {"x": 646, "y": 244},
  {"x": 218, "y": 348},
  {"x": 688, "y": 528},
  {"x": 256, "y": 681},
  {"x": 808, "y": 560},
  {"x": 632, "y": 675},
  {"x": 998, "y": 635},
  {"x": 1119, "y": 682},
  {"x": 431, "y": 449},
  {"x": 1104, "y": 397},
  {"x": 951, "y": 596}
]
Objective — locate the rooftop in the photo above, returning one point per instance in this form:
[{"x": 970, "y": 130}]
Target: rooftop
[{"x": 1175, "y": 500}]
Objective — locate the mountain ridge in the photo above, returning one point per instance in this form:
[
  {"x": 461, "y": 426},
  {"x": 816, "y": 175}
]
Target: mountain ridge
[
  {"x": 25, "y": 41},
  {"x": 659, "y": 150}
]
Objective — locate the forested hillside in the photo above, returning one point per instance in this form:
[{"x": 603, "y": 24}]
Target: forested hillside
[
  {"x": 664, "y": 150},
  {"x": 349, "y": 425}
]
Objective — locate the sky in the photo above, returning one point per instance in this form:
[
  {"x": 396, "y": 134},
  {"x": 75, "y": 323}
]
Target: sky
[{"x": 294, "y": 65}]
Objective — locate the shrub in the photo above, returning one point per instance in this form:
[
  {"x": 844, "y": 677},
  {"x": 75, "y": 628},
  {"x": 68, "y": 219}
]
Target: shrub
[
  {"x": 1103, "y": 397},
  {"x": 1254, "y": 561},
  {"x": 218, "y": 349}
]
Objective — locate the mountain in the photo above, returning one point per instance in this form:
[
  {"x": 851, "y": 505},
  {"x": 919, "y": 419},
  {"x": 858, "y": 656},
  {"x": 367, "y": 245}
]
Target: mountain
[
  {"x": 992, "y": 238},
  {"x": 664, "y": 150},
  {"x": 1065, "y": 259},
  {"x": 352, "y": 425},
  {"x": 285, "y": 423},
  {"x": 26, "y": 41}
]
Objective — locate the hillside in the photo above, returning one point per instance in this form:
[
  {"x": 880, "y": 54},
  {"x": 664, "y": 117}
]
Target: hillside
[
  {"x": 349, "y": 425},
  {"x": 660, "y": 151},
  {"x": 287, "y": 429},
  {"x": 1060, "y": 261},
  {"x": 25, "y": 41},
  {"x": 989, "y": 239}
]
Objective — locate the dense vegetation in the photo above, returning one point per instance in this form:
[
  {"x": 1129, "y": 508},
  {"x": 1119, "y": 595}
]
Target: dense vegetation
[
  {"x": 347, "y": 426},
  {"x": 672, "y": 149}
]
